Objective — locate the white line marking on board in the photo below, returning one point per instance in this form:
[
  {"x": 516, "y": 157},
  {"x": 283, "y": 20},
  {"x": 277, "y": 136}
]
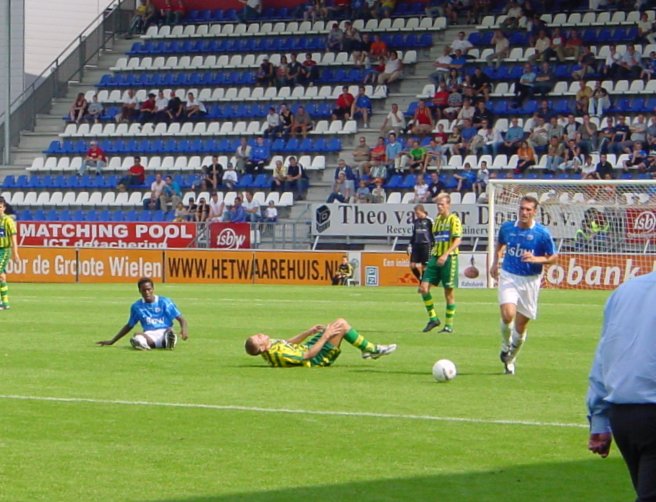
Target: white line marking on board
[{"x": 257, "y": 409}]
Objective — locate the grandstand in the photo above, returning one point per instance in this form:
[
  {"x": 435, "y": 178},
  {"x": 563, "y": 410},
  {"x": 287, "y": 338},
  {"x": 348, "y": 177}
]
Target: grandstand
[{"x": 216, "y": 57}]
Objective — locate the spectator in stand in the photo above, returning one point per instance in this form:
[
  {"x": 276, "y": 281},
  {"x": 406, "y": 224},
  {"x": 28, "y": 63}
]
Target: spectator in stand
[
  {"x": 243, "y": 154},
  {"x": 170, "y": 195},
  {"x": 166, "y": 13},
  {"x": 217, "y": 208},
  {"x": 524, "y": 86},
  {"x": 481, "y": 113},
  {"x": 649, "y": 67},
  {"x": 416, "y": 158},
  {"x": 194, "y": 109},
  {"x": 362, "y": 107},
  {"x": 599, "y": 101},
  {"x": 604, "y": 169},
  {"x": 252, "y": 10},
  {"x": 95, "y": 159},
  {"x": 274, "y": 128},
  {"x": 349, "y": 175},
  {"x": 588, "y": 168},
  {"x": 95, "y": 111},
  {"x": 352, "y": 42},
  {"x": 260, "y": 157},
  {"x": 637, "y": 158},
  {"x": 501, "y": 48},
  {"x": 179, "y": 12},
  {"x": 362, "y": 156},
  {"x": 586, "y": 64},
  {"x": 175, "y": 108},
  {"x": 314, "y": 9},
  {"x": 610, "y": 68},
  {"x": 442, "y": 66},
  {"x": 286, "y": 121},
  {"x": 128, "y": 108},
  {"x": 492, "y": 139},
  {"x": 539, "y": 134},
  {"x": 344, "y": 105},
  {"x": 378, "y": 195},
  {"x": 236, "y": 212},
  {"x": 645, "y": 29},
  {"x": 161, "y": 106},
  {"x": 482, "y": 179},
  {"x": 296, "y": 179},
  {"x": 545, "y": 80},
  {"x": 440, "y": 100},
  {"x": 379, "y": 160},
  {"x": 630, "y": 63},
  {"x": 421, "y": 193},
  {"x": 147, "y": 109},
  {"x": 526, "y": 158},
  {"x": 335, "y": 39},
  {"x": 481, "y": 83},
  {"x": 512, "y": 137},
  {"x": 180, "y": 215},
  {"x": 555, "y": 155},
  {"x": 394, "y": 121},
  {"x": 435, "y": 187},
  {"x": 212, "y": 176},
  {"x": 136, "y": 176},
  {"x": 589, "y": 137},
  {"x": 252, "y": 208},
  {"x": 454, "y": 81},
  {"x": 571, "y": 127},
  {"x": 454, "y": 104},
  {"x": 422, "y": 120},
  {"x": 466, "y": 178},
  {"x": 282, "y": 73},
  {"x": 265, "y": 74},
  {"x": 279, "y": 177},
  {"x": 466, "y": 113},
  {"x": 302, "y": 123},
  {"x": 294, "y": 70},
  {"x": 138, "y": 21},
  {"x": 341, "y": 193},
  {"x": 310, "y": 70},
  {"x": 340, "y": 9},
  {"x": 571, "y": 48},
  {"x": 230, "y": 177},
  {"x": 78, "y": 108},
  {"x": 583, "y": 96},
  {"x": 542, "y": 45},
  {"x": 622, "y": 135},
  {"x": 363, "y": 193},
  {"x": 385, "y": 8},
  {"x": 378, "y": 47},
  {"x": 271, "y": 213},
  {"x": 454, "y": 144},
  {"x": 435, "y": 153},
  {"x": 156, "y": 188},
  {"x": 393, "y": 69},
  {"x": 393, "y": 152},
  {"x": 460, "y": 43}
]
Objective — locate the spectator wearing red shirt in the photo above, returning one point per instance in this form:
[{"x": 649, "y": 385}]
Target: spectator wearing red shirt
[
  {"x": 179, "y": 11},
  {"x": 136, "y": 176},
  {"x": 147, "y": 109},
  {"x": 378, "y": 47},
  {"x": 96, "y": 159},
  {"x": 440, "y": 100},
  {"x": 344, "y": 103}
]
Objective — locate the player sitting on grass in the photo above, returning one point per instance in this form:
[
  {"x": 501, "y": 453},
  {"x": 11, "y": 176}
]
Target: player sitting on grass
[
  {"x": 156, "y": 315},
  {"x": 322, "y": 349}
]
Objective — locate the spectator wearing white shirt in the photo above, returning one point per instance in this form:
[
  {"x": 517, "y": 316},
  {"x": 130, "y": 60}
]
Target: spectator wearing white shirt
[
  {"x": 461, "y": 43},
  {"x": 501, "y": 48},
  {"x": 393, "y": 69},
  {"x": 394, "y": 122},
  {"x": 194, "y": 109},
  {"x": 252, "y": 208}
]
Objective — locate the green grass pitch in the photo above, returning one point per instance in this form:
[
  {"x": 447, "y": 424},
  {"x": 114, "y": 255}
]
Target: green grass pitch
[{"x": 207, "y": 422}]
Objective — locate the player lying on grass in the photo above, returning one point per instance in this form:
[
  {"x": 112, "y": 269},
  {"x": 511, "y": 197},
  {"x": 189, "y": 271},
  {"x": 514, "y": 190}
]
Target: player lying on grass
[
  {"x": 156, "y": 315},
  {"x": 322, "y": 349}
]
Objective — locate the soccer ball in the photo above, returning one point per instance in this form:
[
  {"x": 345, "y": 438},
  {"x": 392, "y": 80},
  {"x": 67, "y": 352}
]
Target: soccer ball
[{"x": 444, "y": 370}]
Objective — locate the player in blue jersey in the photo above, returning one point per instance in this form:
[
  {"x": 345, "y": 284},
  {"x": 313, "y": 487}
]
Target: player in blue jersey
[
  {"x": 156, "y": 315},
  {"x": 525, "y": 247}
]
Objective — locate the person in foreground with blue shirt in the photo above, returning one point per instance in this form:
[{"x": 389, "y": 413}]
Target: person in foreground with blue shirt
[
  {"x": 621, "y": 397},
  {"x": 156, "y": 315},
  {"x": 525, "y": 247}
]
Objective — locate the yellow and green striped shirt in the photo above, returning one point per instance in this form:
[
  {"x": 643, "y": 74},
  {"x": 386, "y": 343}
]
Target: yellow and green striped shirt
[
  {"x": 446, "y": 229},
  {"x": 7, "y": 230},
  {"x": 283, "y": 354}
]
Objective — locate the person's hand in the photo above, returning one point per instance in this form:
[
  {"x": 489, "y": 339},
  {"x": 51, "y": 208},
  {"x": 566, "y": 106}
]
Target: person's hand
[
  {"x": 103, "y": 343},
  {"x": 528, "y": 257},
  {"x": 442, "y": 260},
  {"x": 184, "y": 335},
  {"x": 409, "y": 250},
  {"x": 317, "y": 328},
  {"x": 494, "y": 271},
  {"x": 599, "y": 443}
]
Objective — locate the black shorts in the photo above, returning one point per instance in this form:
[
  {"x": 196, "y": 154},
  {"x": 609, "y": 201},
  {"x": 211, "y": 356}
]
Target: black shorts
[{"x": 420, "y": 253}]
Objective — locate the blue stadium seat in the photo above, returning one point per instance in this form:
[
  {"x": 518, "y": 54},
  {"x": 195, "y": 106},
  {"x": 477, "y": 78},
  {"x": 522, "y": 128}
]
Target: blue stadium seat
[
  {"x": 395, "y": 182},
  {"x": 409, "y": 182},
  {"x": 9, "y": 182}
]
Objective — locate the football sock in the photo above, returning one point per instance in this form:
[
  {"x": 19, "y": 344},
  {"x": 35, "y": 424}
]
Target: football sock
[
  {"x": 450, "y": 314},
  {"x": 517, "y": 340},
  {"x": 359, "y": 341},
  {"x": 506, "y": 330},
  {"x": 416, "y": 273},
  {"x": 430, "y": 306},
  {"x": 4, "y": 293}
]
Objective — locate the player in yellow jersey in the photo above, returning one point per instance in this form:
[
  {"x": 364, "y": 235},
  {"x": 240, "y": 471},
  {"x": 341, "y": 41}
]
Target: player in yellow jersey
[
  {"x": 442, "y": 268},
  {"x": 8, "y": 249},
  {"x": 322, "y": 348}
]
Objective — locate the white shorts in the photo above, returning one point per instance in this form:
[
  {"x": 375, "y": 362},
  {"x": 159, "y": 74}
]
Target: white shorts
[
  {"x": 520, "y": 290},
  {"x": 157, "y": 336}
]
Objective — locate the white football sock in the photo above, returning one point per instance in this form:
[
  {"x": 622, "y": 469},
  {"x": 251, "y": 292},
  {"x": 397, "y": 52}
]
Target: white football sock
[
  {"x": 506, "y": 330},
  {"x": 517, "y": 340}
]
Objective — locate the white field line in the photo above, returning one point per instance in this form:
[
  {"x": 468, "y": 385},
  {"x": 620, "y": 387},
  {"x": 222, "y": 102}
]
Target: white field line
[{"x": 257, "y": 409}]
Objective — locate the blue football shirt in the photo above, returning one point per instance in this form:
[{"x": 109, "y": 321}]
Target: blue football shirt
[
  {"x": 535, "y": 239},
  {"x": 156, "y": 315}
]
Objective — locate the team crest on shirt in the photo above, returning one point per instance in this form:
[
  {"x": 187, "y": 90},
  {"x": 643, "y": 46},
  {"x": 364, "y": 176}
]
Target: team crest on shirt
[{"x": 529, "y": 237}]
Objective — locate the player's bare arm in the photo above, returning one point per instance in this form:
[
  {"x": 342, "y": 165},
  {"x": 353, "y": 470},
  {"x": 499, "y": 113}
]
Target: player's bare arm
[
  {"x": 330, "y": 331},
  {"x": 14, "y": 248},
  {"x": 498, "y": 254},
  {"x": 529, "y": 257},
  {"x": 308, "y": 332},
  {"x": 184, "y": 327},
  {"x": 124, "y": 331}
]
